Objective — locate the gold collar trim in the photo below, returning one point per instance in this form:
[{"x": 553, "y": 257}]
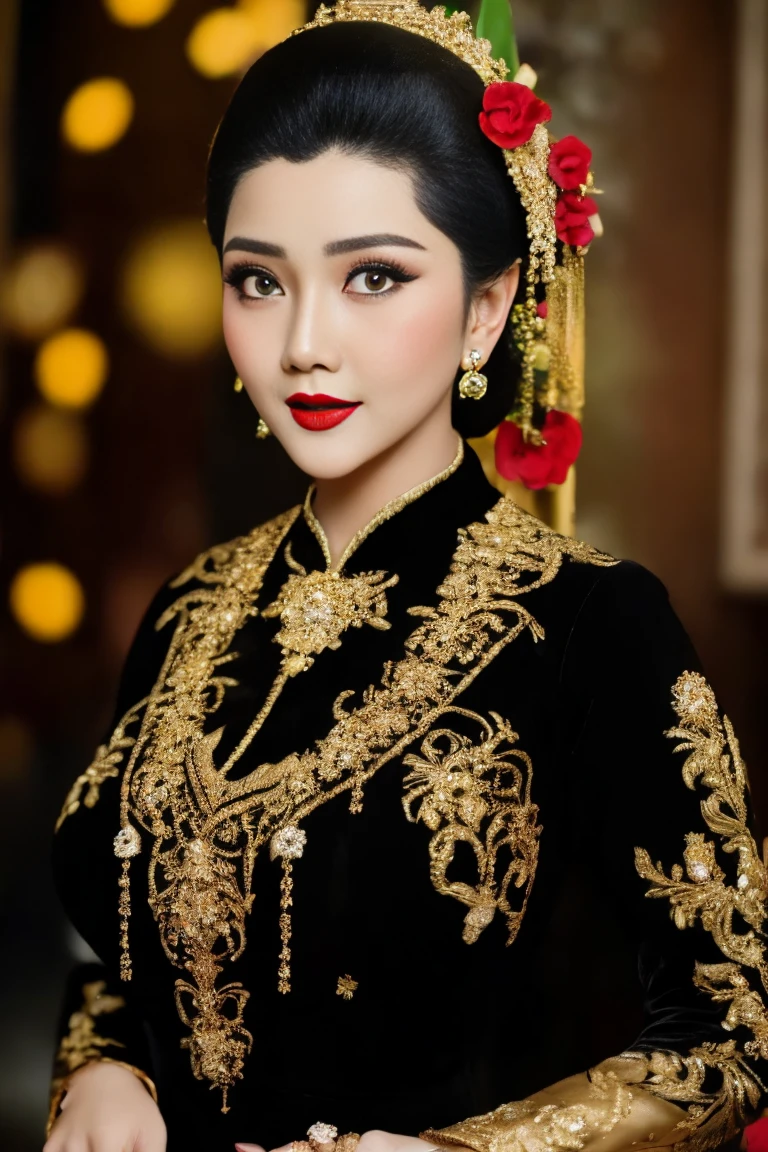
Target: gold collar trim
[{"x": 386, "y": 513}]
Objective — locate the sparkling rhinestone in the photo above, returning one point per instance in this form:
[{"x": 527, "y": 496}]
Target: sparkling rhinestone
[
  {"x": 289, "y": 842},
  {"x": 742, "y": 882},
  {"x": 127, "y": 843},
  {"x": 699, "y": 872},
  {"x": 323, "y": 1133}
]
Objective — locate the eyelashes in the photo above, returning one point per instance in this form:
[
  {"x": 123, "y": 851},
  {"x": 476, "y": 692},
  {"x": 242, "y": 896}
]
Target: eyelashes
[{"x": 237, "y": 274}]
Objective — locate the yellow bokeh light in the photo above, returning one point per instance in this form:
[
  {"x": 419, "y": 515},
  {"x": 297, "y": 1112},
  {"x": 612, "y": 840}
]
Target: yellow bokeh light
[
  {"x": 138, "y": 13},
  {"x": 47, "y": 601},
  {"x": 171, "y": 290},
  {"x": 271, "y": 21},
  {"x": 40, "y": 290},
  {"x": 97, "y": 114},
  {"x": 71, "y": 368},
  {"x": 222, "y": 42},
  {"x": 50, "y": 449}
]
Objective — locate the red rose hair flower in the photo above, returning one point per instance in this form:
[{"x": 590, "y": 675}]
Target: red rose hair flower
[
  {"x": 569, "y": 161},
  {"x": 539, "y": 466},
  {"x": 510, "y": 114},
  {"x": 572, "y": 219}
]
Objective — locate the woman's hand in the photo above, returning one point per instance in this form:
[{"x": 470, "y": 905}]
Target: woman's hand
[
  {"x": 107, "y": 1109},
  {"x": 373, "y": 1141}
]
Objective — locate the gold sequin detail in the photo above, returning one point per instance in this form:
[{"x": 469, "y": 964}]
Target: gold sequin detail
[
  {"x": 700, "y": 890},
  {"x": 204, "y": 829},
  {"x": 477, "y": 793}
]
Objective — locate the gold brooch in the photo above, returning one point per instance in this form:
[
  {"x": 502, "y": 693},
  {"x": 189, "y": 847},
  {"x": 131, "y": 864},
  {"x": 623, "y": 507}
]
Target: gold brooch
[{"x": 316, "y": 608}]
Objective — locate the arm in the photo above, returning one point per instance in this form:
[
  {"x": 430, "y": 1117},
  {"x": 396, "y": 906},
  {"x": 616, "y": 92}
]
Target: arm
[
  {"x": 97, "y": 1025},
  {"x": 661, "y": 793}
]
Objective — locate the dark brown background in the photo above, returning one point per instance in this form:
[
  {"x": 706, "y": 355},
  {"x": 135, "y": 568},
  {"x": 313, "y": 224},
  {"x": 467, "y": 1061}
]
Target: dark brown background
[{"x": 174, "y": 464}]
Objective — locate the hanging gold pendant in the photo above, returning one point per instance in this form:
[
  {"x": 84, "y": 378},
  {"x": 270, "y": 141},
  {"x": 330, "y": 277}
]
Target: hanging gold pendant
[
  {"x": 473, "y": 384},
  {"x": 288, "y": 844}
]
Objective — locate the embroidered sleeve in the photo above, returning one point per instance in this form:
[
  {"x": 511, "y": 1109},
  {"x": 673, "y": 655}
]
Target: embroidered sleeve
[
  {"x": 97, "y": 1025},
  {"x": 661, "y": 800}
]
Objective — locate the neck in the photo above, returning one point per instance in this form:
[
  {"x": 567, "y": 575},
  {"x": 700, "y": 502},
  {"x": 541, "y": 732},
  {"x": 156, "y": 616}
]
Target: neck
[{"x": 344, "y": 505}]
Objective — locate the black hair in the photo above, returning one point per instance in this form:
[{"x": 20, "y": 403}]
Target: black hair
[{"x": 398, "y": 98}]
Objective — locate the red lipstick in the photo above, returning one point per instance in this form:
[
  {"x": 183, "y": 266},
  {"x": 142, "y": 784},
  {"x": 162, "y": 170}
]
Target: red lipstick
[{"x": 319, "y": 412}]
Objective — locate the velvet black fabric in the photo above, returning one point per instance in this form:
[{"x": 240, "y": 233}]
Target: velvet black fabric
[{"x": 437, "y": 1030}]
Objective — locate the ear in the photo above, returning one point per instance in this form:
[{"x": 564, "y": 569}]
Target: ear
[{"x": 489, "y": 313}]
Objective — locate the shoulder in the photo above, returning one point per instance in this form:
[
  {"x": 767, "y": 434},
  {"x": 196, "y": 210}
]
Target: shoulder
[{"x": 239, "y": 555}]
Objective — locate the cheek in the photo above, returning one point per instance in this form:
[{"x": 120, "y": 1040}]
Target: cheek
[{"x": 422, "y": 342}]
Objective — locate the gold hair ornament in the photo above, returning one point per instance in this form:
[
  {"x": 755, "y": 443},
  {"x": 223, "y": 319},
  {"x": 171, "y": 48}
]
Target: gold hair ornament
[{"x": 550, "y": 339}]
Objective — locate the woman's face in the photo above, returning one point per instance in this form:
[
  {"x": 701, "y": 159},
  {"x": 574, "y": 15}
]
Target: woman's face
[{"x": 344, "y": 309}]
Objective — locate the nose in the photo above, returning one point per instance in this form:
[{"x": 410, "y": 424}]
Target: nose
[{"x": 310, "y": 342}]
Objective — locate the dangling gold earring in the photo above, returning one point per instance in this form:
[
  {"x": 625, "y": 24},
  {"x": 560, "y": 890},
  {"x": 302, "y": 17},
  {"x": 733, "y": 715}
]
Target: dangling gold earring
[
  {"x": 262, "y": 430},
  {"x": 238, "y": 384},
  {"x": 473, "y": 385}
]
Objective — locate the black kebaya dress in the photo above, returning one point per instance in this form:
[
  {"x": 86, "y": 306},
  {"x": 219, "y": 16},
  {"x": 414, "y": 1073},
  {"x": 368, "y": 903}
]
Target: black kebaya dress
[{"x": 392, "y": 845}]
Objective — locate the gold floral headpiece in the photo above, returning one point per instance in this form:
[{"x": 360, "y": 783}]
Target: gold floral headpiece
[{"x": 553, "y": 182}]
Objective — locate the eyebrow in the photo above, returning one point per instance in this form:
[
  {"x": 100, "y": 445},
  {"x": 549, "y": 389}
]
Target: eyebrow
[
  {"x": 258, "y": 247},
  {"x": 335, "y": 248},
  {"x": 377, "y": 240}
]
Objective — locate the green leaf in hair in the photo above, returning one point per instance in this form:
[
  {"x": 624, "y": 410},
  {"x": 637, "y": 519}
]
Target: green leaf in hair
[{"x": 495, "y": 24}]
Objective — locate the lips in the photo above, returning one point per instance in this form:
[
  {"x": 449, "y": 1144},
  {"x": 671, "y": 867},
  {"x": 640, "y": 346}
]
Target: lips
[{"x": 319, "y": 412}]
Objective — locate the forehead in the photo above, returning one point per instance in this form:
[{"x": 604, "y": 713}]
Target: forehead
[{"x": 334, "y": 195}]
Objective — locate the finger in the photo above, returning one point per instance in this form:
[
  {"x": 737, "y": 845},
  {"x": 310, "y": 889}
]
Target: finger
[{"x": 252, "y": 1147}]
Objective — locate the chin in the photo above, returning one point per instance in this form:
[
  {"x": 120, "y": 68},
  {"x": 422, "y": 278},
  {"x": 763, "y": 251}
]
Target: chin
[{"x": 331, "y": 454}]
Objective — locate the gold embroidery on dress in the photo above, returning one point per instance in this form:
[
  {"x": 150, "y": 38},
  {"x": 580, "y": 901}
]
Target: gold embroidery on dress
[
  {"x": 205, "y": 829},
  {"x": 105, "y": 765},
  {"x": 346, "y": 987},
  {"x": 455, "y": 786},
  {"x": 316, "y": 608},
  {"x": 83, "y": 1045},
  {"x": 529, "y": 1125},
  {"x": 700, "y": 890}
]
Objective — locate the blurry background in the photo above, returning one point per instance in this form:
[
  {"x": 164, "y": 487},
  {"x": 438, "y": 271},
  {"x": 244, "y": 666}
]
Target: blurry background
[{"x": 124, "y": 450}]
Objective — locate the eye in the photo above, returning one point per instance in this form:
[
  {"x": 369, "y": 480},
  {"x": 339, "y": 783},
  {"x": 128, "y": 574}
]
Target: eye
[
  {"x": 253, "y": 283},
  {"x": 372, "y": 282},
  {"x": 376, "y": 279}
]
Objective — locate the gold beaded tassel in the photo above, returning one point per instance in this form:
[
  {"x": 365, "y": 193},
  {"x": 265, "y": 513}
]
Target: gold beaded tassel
[
  {"x": 288, "y": 845},
  {"x": 124, "y": 910},
  {"x": 286, "y": 902},
  {"x": 127, "y": 844}
]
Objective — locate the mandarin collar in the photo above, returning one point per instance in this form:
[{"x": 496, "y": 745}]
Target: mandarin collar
[{"x": 411, "y": 524}]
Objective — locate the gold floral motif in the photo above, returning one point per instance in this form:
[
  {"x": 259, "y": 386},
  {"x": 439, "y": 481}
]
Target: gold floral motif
[
  {"x": 316, "y": 608},
  {"x": 477, "y": 793},
  {"x": 204, "y": 829},
  {"x": 346, "y": 987},
  {"x": 700, "y": 890},
  {"x": 82, "y": 1043}
]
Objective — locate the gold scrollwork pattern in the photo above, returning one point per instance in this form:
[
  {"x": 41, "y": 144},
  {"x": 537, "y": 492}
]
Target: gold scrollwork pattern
[
  {"x": 205, "y": 829},
  {"x": 700, "y": 890},
  {"x": 477, "y": 793}
]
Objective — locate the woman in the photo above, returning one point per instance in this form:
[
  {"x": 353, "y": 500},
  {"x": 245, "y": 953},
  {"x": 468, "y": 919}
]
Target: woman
[{"x": 368, "y": 847}]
